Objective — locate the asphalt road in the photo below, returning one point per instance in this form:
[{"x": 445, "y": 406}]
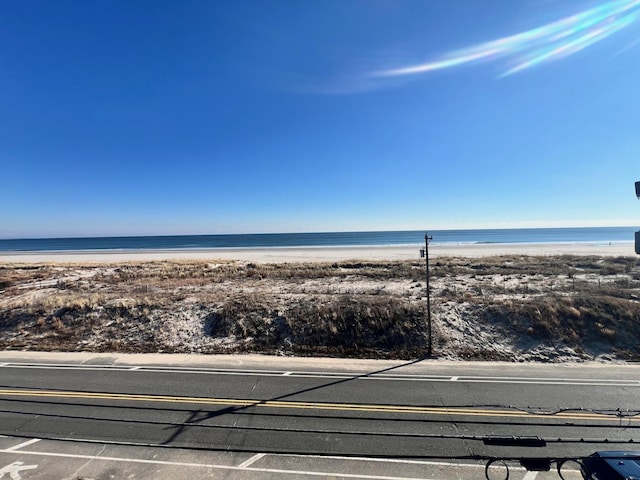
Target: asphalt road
[{"x": 421, "y": 410}]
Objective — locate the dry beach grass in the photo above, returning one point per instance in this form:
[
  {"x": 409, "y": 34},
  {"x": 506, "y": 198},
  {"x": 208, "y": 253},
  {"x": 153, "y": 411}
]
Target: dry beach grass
[{"x": 510, "y": 307}]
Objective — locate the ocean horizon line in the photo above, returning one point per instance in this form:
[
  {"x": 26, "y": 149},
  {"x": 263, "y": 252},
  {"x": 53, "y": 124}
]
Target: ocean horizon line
[
  {"x": 318, "y": 232},
  {"x": 397, "y": 238}
]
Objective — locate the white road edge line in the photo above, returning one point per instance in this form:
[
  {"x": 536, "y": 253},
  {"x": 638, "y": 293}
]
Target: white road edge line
[
  {"x": 220, "y": 467},
  {"x": 251, "y": 460},
  {"x": 23, "y": 444},
  {"x": 337, "y": 375},
  {"x": 280, "y": 372}
]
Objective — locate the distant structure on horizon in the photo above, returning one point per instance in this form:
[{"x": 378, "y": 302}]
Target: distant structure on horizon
[{"x": 638, "y": 233}]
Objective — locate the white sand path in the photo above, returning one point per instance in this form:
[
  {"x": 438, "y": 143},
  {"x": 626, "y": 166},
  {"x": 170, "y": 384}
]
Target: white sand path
[{"x": 320, "y": 254}]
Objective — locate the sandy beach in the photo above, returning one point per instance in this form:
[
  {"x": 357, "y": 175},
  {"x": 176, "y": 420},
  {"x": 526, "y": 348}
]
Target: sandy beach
[{"x": 322, "y": 254}]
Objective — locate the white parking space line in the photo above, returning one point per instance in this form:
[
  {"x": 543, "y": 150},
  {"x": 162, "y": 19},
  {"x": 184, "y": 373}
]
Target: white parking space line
[
  {"x": 213, "y": 466},
  {"x": 251, "y": 460},
  {"x": 23, "y": 444},
  {"x": 393, "y": 460}
]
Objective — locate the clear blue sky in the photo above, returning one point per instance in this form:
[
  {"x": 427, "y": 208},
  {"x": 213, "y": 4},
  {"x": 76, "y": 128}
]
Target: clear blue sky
[{"x": 187, "y": 117}]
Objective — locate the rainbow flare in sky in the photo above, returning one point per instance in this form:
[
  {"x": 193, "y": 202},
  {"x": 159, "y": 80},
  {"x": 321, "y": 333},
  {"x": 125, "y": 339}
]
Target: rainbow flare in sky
[{"x": 549, "y": 42}]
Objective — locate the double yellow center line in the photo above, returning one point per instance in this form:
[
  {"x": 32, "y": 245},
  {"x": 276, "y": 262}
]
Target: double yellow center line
[{"x": 345, "y": 407}]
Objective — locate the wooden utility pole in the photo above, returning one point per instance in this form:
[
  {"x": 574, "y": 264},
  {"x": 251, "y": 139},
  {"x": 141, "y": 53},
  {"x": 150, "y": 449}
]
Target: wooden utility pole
[{"x": 425, "y": 253}]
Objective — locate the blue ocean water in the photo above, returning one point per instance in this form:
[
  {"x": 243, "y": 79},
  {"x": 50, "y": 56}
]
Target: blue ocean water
[{"x": 594, "y": 235}]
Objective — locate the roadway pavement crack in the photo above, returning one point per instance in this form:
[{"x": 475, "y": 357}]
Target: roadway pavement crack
[
  {"x": 74, "y": 475},
  {"x": 465, "y": 444},
  {"x": 255, "y": 384},
  {"x": 21, "y": 429}
]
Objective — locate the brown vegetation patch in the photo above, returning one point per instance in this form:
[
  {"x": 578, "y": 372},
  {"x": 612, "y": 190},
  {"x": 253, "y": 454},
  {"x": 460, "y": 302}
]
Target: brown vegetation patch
[{"x": 507, "y": 308}]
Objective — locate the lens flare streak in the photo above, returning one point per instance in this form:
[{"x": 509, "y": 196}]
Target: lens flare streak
[{"x": 553, "y": 41}]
